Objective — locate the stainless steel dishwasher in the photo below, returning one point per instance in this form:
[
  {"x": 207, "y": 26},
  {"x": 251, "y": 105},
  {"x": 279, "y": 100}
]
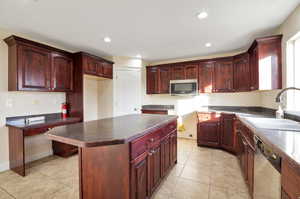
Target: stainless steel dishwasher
[{"x": 267, "y": 172}]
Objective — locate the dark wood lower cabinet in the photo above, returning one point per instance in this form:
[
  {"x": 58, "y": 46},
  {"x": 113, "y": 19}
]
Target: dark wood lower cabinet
[
  {"x": 227, "y": 132},
  {"x": 209, "y": 133},
  {"x": 290, "y": 180},
  {"x": 159, "y": 154},
  {"x": 139, "y": 178}
]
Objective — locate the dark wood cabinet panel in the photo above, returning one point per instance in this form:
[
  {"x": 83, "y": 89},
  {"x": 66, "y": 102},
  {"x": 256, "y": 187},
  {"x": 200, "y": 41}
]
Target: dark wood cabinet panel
[
  {"x": 178, "y": 72},
  {"x": 208, "y": 133},
  {"x": 38, "y": 67},
  {"x": 62, "y": 73},
  {"x": 173, "y": 138},
  {"x": 250, "y": 169},
  {"x": 284, "y": 195},
  {"x": 152, "y": 80},
  {"x": 91, "y": 66},
  {"x": 242, "y": 76},
  {"x": 164, "y": 79},
  {"x": 191, "y": 71},
  {"x": 227, "y": 134},
  {"x": 33, "y": 68},
  {"x": 266, "y": 63},
  {"x": 223, "y": 76},
  {"x": 162, "y": 112},
  {"x": 166, "y": 155},
  {"x": 154, "y": 168},
  {"x": 107, "y": 70},
  {"x": 205, "y": 78},
  {"x": 139, "y": 178},
  {"x": 254, "y": 69},
  {"x": 290, "y": 179}
]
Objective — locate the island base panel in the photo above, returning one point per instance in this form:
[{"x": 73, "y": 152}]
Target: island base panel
[
  {"x": 104, "y": 172},
  {"x": 16, "y": 151}
]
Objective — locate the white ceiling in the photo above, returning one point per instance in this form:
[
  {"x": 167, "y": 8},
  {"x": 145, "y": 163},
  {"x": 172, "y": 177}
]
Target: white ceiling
[{"x": 156, "y": 29}]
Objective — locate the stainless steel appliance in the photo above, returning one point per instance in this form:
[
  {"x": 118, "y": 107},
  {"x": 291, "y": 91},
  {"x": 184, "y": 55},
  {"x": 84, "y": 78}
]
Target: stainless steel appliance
[
  {"x": 267, "y": 172},
  {"x": 184, "y": 87}
]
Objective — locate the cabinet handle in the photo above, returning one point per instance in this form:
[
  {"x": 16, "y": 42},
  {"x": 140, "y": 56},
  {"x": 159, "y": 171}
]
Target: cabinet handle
[{"x": 152, "y": 140}]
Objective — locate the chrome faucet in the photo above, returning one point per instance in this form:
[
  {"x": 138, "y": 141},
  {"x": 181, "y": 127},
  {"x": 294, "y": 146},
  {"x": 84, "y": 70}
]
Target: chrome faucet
[{"x": 280, "y": 112}]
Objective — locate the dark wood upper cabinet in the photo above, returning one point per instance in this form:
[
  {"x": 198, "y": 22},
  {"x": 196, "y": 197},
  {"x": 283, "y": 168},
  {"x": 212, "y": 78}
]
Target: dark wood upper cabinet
[
  {"x": 223, "y": 76},
  {"x": 33, "y": 68},
  {"x": 164, "y": 79},
  {"x": 62, "y": 72},
  {"x": 241, "y": 71},
  {"x": 107, "y": 70},
  {"x": 266, "y": 63},
  {"x": 91, "y": 66},
  {"x": 152, "y": 80},
  {"x": 205, "y": 78},
  {"x": 38, "y": 67},
  {"x": 191, "y": 71},
  {"x": 178, "y": 72},
  {"x": 97, "y": 66}
]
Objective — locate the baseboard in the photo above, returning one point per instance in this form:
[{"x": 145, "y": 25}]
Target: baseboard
[
  {"x": 38, "y": 156},
  {"x": 4, "y": 166}
]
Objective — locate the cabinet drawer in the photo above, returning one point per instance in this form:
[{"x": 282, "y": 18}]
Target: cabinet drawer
[
  {"x": 208, "y": 117},
  {"x": 290, "y": 180},
  {"x": 142, "y": 144}
]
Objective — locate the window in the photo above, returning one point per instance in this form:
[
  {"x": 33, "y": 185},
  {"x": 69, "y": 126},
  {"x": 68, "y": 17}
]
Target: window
[{"x": 293, "y": 72}]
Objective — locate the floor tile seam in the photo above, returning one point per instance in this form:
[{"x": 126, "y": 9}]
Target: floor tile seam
[{"x": 10, "y": 194}]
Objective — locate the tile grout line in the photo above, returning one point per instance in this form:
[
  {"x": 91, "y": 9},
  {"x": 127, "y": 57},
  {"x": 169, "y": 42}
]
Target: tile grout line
[{"x": 7, "y": 192}]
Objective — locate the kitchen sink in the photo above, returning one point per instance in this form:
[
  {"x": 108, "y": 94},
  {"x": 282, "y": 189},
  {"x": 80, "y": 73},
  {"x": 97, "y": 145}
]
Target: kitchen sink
[{"x": 275, "y": 124}]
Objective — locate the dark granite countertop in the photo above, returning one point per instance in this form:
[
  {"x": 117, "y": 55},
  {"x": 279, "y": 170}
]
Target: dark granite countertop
[
  {"x": 158, "y": 107},
  {"x": 117, "y": 130},
  {"x": 285, "y": 143},
  {"x": 51, "y": 120}
]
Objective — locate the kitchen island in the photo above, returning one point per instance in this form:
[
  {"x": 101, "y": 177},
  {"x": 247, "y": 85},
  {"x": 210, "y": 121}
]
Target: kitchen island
[{"x": 122, "y": 157}]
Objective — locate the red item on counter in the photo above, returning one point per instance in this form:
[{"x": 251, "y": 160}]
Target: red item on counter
[{"x": 64, "y": 110}]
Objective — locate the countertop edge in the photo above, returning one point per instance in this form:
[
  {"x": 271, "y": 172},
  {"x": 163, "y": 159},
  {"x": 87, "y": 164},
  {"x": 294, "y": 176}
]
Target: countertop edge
[
  {"x": 96, "y": 143},
  {"x": 277, "y": 149}
]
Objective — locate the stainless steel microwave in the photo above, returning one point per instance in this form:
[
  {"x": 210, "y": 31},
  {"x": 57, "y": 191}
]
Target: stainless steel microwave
[{"x": 184, "y": 87}]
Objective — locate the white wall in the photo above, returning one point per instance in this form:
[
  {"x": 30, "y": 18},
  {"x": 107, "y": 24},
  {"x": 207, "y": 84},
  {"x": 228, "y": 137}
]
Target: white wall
[
  {"x": 289, "y": 28},
  {"x": 23, "y": 103},
  {"x": 90, "y": 98},
  {"x": 105, "y": 99}
]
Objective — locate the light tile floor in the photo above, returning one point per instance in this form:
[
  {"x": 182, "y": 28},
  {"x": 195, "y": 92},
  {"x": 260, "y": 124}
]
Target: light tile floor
[{"x": 201, "y": 173}]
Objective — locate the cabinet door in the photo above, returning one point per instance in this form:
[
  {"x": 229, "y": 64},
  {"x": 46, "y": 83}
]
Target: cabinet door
[
  {"x": 62, "y": 73},
  {"x": 191, "y": 71},
  {"x": 164, "y": 79},
  {"x": 243, "y": 155},
  {"x": 91, "y": 66},
  {"x": 107, "y": 70},
  {"x": 34, "y": 66},
  {"x": 223, "y": 76},
  {"x": 154, "y": 167},
  {"x": 254, "y": 69},
  {"x": 178, "y": 72},
  {"x": 139, "y": 179},
  {"x": 227, "y": 135},
  {"x": 250, "y": 169},
  {"x": 242, "y": 76},
  {"x": 205, "y": 79},
  {"x": 173, "y": 138},
  {"x": 208, "y": 134},
  {"x": 152, "y": 80},
  {"x": 165, "y": 155}
]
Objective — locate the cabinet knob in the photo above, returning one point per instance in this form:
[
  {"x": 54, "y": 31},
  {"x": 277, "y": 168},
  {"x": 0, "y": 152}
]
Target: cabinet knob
[{"x": 152, "y": 140}]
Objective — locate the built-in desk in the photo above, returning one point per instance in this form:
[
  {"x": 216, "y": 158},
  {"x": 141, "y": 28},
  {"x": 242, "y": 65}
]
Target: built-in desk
[{"x": 18, "y": 130}]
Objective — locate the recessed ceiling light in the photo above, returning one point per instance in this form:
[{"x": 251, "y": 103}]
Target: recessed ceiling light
[
  {"x": 208, "y": 45},
  {"x": 202, "y": 15},
  {"x": 107, "y": 39},
  {"x": 138, "y": 56}
]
